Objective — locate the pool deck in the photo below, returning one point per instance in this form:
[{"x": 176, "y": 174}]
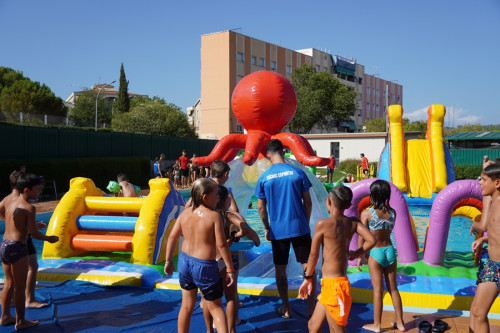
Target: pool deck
[{"x": 458, "y": 323}]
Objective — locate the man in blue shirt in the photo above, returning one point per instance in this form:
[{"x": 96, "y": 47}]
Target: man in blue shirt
[{"x": 284, "y": 205}]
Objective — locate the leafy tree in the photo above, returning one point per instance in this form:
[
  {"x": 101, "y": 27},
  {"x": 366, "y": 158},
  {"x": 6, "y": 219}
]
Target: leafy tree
[
  {"x": 470, "y": 128},
  {"x": 122, "y": 103},
  {"x": 375, "y": 125},
  {"x": 8, "y": 76},
  {"x": 29, "y": 96},
  {"x": 321, "y": 99},
  {"x": 154, "y": 116},
  {"x": 83, "y": 114},
  {"x": 415, "y": 126}
]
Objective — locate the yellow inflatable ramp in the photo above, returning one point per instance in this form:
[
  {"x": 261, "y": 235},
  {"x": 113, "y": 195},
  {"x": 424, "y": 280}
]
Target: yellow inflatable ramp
[{"x": 419, "y": 169}]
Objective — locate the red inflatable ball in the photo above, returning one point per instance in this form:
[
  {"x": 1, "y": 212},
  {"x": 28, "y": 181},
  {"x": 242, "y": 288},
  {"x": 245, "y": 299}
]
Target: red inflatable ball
[{"x": 264, "y": 101}]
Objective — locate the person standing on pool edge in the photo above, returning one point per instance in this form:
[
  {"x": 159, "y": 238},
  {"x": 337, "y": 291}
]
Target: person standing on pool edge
[
  {"x": 364, "y": 165},
  {"x": 184, "y": 163},
  {"x": 284, "y": 205}
]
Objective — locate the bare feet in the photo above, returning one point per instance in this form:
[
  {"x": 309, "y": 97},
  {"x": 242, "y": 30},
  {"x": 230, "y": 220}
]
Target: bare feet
[
  {"x": 7, "y": 320},
  {"x": 36, "y": 305},
  {"x": 400, "y": 327},
  {"x": 26, "y": 324},
  {"x": 372, "y": 327}
]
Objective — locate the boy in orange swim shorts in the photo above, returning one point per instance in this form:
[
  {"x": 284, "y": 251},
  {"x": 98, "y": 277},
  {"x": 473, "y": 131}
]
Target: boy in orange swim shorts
[{"x": 334, "y": 233}]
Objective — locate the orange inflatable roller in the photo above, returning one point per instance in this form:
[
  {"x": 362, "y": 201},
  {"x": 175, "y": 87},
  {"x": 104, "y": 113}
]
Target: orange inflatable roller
[{"x": 88, "y": 242}]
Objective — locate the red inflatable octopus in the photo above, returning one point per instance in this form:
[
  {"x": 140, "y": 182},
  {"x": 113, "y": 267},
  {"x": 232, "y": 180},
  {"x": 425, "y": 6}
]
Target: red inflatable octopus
[{"x": 263, "y": 103}]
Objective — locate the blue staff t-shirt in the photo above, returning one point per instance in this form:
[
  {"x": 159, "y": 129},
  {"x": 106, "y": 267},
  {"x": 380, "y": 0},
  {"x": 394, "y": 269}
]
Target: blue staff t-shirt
[{"x": 282, "y": 186}]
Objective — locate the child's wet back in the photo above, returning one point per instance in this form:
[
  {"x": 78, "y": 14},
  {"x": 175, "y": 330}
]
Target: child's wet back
[{"x": 198, "y": 230}]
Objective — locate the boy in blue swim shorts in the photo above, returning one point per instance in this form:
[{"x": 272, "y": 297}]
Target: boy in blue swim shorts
[
  {"x": 489, "y": 279},
  {"x": 203, "y": 235}
]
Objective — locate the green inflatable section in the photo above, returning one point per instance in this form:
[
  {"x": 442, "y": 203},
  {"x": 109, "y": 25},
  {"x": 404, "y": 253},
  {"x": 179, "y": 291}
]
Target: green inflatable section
[{"x": 456, "y": 264}]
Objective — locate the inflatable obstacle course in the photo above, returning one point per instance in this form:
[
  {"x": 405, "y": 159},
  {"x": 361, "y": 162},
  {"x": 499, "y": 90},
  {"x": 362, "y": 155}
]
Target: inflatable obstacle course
[{"x": 87, "y": 223}]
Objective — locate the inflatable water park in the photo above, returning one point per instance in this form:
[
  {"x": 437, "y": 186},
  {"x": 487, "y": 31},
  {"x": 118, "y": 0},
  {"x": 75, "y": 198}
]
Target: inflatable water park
[{"x": 111, "y": 240}]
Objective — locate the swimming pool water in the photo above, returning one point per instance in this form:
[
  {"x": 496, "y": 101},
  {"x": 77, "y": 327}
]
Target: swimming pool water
[{"x": 458, "y": 237}]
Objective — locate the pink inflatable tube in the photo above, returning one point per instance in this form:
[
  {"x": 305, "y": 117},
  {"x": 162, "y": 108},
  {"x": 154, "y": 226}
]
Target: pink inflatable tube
[
  {"x": 403, "y": 231},
  {"x": 439, "y": 220}
]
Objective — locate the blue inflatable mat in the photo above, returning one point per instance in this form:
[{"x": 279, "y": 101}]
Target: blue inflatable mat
[{"x": 85, "y": 307}]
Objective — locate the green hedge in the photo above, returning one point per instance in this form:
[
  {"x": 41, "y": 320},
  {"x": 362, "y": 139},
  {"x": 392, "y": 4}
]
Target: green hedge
[
  {"x": 351, "y": 166},
  {"x": 467, "y": 171},
  {"x": 100, "y": 169}
]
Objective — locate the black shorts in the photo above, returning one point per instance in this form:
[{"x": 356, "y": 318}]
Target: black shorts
[
  {"x": 301, "y": 247},
  {"x": 30, "y": 245},
  {"x": 185, "y": 173}
]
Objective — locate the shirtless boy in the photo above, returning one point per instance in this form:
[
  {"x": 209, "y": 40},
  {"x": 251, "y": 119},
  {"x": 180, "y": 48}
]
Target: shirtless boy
[
  {"x": 31, "y": 301},
  {"x": 19, "y": 221},
  {"x": 334, "y": 233},
  {"x": 489, "y": 279},
  {"x": 203, "y": 233},
  {"x": 126, "y": 189}
]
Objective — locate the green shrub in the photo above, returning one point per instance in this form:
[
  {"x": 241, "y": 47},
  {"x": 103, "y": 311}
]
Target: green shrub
[
  {"x": 351, "y": 166},
  {"x": 467, "y": 171},
  {"x": 100, "y": 169}
]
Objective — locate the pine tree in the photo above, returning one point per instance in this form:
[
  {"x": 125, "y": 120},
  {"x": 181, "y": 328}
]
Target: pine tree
[{"x": 123, "y": 100}]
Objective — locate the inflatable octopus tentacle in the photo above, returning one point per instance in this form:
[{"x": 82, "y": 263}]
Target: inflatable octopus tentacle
[
  {"x": 256, "y": 143},
  {"x": 230, "y": 155},
  {"x": 300, "y": 150},
  {"x": 308, "y": 146},
  {"x": 228, "y": 142},
  {"x": 439, "y": 220}
]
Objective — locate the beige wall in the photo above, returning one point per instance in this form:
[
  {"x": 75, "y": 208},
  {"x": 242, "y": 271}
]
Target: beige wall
[{"x": 215, "y": 84}]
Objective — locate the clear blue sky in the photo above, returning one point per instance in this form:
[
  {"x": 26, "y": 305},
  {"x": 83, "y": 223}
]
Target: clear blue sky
[{"x": 444, "y": 52}]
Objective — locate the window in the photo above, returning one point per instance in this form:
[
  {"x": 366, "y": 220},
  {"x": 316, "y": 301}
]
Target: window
[
  {"x": 262, "y": 62},
  {"x": 240, "y": 57},
  {"x": 273, "y": 65},
  {"x": 317, "y": 68},
  {"x": 238, "y": 78},
  {"x": 289, "y": 69},
  {"x": 368, "y": 90},
  {"x": 254, "y": 60},
  {"x": 239, "y": 128}
]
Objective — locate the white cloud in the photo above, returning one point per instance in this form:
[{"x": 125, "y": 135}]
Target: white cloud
[{"x": 454, "y": 116}]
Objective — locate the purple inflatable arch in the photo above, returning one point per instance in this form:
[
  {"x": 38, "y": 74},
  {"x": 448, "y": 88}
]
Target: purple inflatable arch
[
  {"x": 403, "y": 231},
  {"x": 439, "y": 220}
]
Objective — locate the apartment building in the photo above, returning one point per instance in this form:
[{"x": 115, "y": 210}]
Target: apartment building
[{"x": 227, "y": 56}]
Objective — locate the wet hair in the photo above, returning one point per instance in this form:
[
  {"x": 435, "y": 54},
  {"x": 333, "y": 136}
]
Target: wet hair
[
  {"x": 223, "y": 193},
  {"x": 28, "y": 180},
  {"x": 13, "y": 178},
  {"x": 201, "y": 187},
  {"x": 218, "y": 168},
  {"x": 274, "y": 146},
  {"x": 380, "y": 194},
  {"x": 342, "y": 196},
  {"x": 492, "y": 171},
  {"x": 121, "y": 177}
]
